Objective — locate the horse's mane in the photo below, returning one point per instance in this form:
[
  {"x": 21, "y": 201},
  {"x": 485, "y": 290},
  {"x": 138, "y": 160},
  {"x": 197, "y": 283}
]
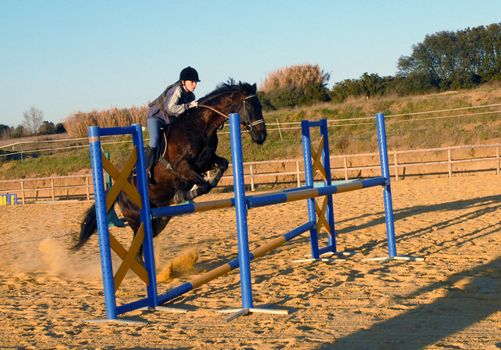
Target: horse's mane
[{"x": 228, "y": 86}]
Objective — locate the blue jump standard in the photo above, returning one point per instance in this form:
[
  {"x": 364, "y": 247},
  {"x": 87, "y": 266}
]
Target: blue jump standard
[{"x": 241, "y": 202}]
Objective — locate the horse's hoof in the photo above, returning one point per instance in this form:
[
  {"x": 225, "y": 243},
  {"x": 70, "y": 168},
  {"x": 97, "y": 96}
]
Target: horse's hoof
[{"x": 179, "y": 197}]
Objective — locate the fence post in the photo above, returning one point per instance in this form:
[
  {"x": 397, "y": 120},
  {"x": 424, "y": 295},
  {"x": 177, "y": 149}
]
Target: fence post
[
  {"x": 499, "y": 160},
  {"x": 251, "y": 172},
  {"x": 52, "y": 189},
  {"x": 279, "y": 131},
  {"x": 87, "y": 187},
  {"x": 345, "y": 168},
  {"x": 449, "y": 160},
  {"x": 396, "y": 164},
  {"x": 22, "y": 192},
  {"x": 298, "y": 175}
]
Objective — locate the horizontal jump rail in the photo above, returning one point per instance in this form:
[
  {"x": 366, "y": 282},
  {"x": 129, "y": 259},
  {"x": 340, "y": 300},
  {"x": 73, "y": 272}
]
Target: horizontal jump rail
[
  {"x": 233, "y": 264},
  {"x": 305, "y": 193},
  {"x": 218, "y": 271},
  {"x": 268, "y": 198}
]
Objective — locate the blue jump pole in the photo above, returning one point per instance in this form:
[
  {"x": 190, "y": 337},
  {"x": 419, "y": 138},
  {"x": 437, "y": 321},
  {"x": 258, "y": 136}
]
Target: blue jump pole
[
  {"x": 113, "y": 220},
  {"x": 241, "y": 211},
  {"x": 149, "y": 259},
  {"x": 328, "y": 182},
  {"x": 385, "y": 172},
  {"x": 308, "y": 174},
  {"x": 102, "y": 223}
]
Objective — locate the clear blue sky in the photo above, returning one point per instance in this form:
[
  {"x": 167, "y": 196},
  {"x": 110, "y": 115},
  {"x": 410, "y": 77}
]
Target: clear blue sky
[{"x": 63, "y": 56}]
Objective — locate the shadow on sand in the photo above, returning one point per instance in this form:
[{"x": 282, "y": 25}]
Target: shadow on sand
[{"x": 472, "y": 296}]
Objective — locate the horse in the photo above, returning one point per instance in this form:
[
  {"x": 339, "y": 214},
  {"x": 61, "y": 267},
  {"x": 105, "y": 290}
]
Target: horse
[{"x": 189, "y": 156}]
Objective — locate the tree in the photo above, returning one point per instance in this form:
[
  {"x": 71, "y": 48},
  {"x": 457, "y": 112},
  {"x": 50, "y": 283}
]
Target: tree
[
  {"x": 372, "y": 84},
  {"x": 47, "y": 128},
  {"x": 451, "y": 60},
  {"x": 4, "y": 131},
  {"x": 33, "y": 119},
  {"x": 18, "y": 131},
  {"x": 60, "y": 128}
]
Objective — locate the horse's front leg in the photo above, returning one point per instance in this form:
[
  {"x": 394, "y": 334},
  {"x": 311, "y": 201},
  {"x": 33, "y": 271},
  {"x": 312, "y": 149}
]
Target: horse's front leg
[
  {"x": 186, "y": 172},
  {"x": 216, "y": 173},
  {"x": 218, "y": 168}
]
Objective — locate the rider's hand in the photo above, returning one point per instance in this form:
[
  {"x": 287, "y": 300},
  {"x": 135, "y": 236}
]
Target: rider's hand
[{"x": 193, "y": 104}]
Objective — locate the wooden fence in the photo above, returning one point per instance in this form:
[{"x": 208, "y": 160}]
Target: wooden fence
[{"x": 445, "y": 162}]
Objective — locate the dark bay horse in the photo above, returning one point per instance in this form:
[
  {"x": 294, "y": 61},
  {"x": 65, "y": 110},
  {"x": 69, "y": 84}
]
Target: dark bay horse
[{"x": 182, "y": 172}]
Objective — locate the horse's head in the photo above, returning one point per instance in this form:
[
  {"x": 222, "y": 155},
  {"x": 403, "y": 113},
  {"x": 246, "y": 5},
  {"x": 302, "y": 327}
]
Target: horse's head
[
  {"x": 238, "y": 98},
  {"x": 251, "y": 114}
]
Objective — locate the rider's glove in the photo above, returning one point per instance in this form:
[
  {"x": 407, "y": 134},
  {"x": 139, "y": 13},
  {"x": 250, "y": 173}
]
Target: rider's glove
[{"x": 193, "y": 104}]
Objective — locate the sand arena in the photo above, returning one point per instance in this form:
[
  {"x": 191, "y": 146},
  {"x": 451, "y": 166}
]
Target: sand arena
[{"x": 450, "y": 300}]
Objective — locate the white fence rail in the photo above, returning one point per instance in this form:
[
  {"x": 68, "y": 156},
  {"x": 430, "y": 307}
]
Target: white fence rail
[{"x": 445, "y": 161}]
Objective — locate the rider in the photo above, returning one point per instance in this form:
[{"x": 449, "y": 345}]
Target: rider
[{"x": 174, "y": 101}]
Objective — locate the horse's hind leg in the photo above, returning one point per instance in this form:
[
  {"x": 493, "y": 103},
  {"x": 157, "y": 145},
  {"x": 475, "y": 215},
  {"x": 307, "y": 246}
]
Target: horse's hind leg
[
  {"x": 159, "y": 224},
  {"x": 134, "y": 225}
]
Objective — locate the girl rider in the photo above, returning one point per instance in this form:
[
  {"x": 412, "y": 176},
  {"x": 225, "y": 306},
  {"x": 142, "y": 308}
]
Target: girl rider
[{"x": 174, "y": 101}]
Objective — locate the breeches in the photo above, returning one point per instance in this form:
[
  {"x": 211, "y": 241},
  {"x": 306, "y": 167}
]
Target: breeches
[{"x": 154, "y": 125}]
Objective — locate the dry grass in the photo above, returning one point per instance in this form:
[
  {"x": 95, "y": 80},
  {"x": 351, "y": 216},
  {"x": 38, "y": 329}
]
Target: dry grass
[
  {"x": 76, "y": 124},
  {"x": 405, "y": 135},
  {"x": 297, "y": 76}
]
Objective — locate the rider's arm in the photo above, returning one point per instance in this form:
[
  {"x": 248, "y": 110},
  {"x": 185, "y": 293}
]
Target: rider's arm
[{"x": 174, "y": 104}]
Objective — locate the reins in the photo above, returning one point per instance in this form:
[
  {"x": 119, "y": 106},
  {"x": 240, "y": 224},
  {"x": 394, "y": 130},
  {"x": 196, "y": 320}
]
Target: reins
[
  {"x": 214, "y": 110},
  {"x": 248, "y": 126}
]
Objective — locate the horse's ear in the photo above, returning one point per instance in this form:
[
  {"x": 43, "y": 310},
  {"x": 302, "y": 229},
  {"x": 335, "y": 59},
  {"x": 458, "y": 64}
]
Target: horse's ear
[{"x": 254, "y": 87}]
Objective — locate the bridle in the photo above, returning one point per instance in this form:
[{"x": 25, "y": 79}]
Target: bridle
[{"x": 246, "y": 122}]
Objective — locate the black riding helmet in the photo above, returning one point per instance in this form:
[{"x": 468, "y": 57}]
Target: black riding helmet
[{"x": 189, "y": 73}]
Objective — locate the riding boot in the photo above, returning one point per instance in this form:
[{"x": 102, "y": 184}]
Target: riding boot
[{"x": 150, "y": 160}]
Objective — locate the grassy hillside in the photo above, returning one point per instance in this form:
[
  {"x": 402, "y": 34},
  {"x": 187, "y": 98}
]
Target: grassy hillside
[{"x": 423, "y": 130}]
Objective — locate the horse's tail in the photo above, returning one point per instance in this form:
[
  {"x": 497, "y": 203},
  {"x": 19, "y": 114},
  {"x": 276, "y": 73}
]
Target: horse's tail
[{"x": 87, "y": 227}]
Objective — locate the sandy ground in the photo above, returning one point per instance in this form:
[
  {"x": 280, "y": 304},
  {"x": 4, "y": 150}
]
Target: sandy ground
[{"x": 450, "y": 300}]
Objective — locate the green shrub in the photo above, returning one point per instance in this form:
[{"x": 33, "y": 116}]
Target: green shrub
[{"x": 293, "y": 86}]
